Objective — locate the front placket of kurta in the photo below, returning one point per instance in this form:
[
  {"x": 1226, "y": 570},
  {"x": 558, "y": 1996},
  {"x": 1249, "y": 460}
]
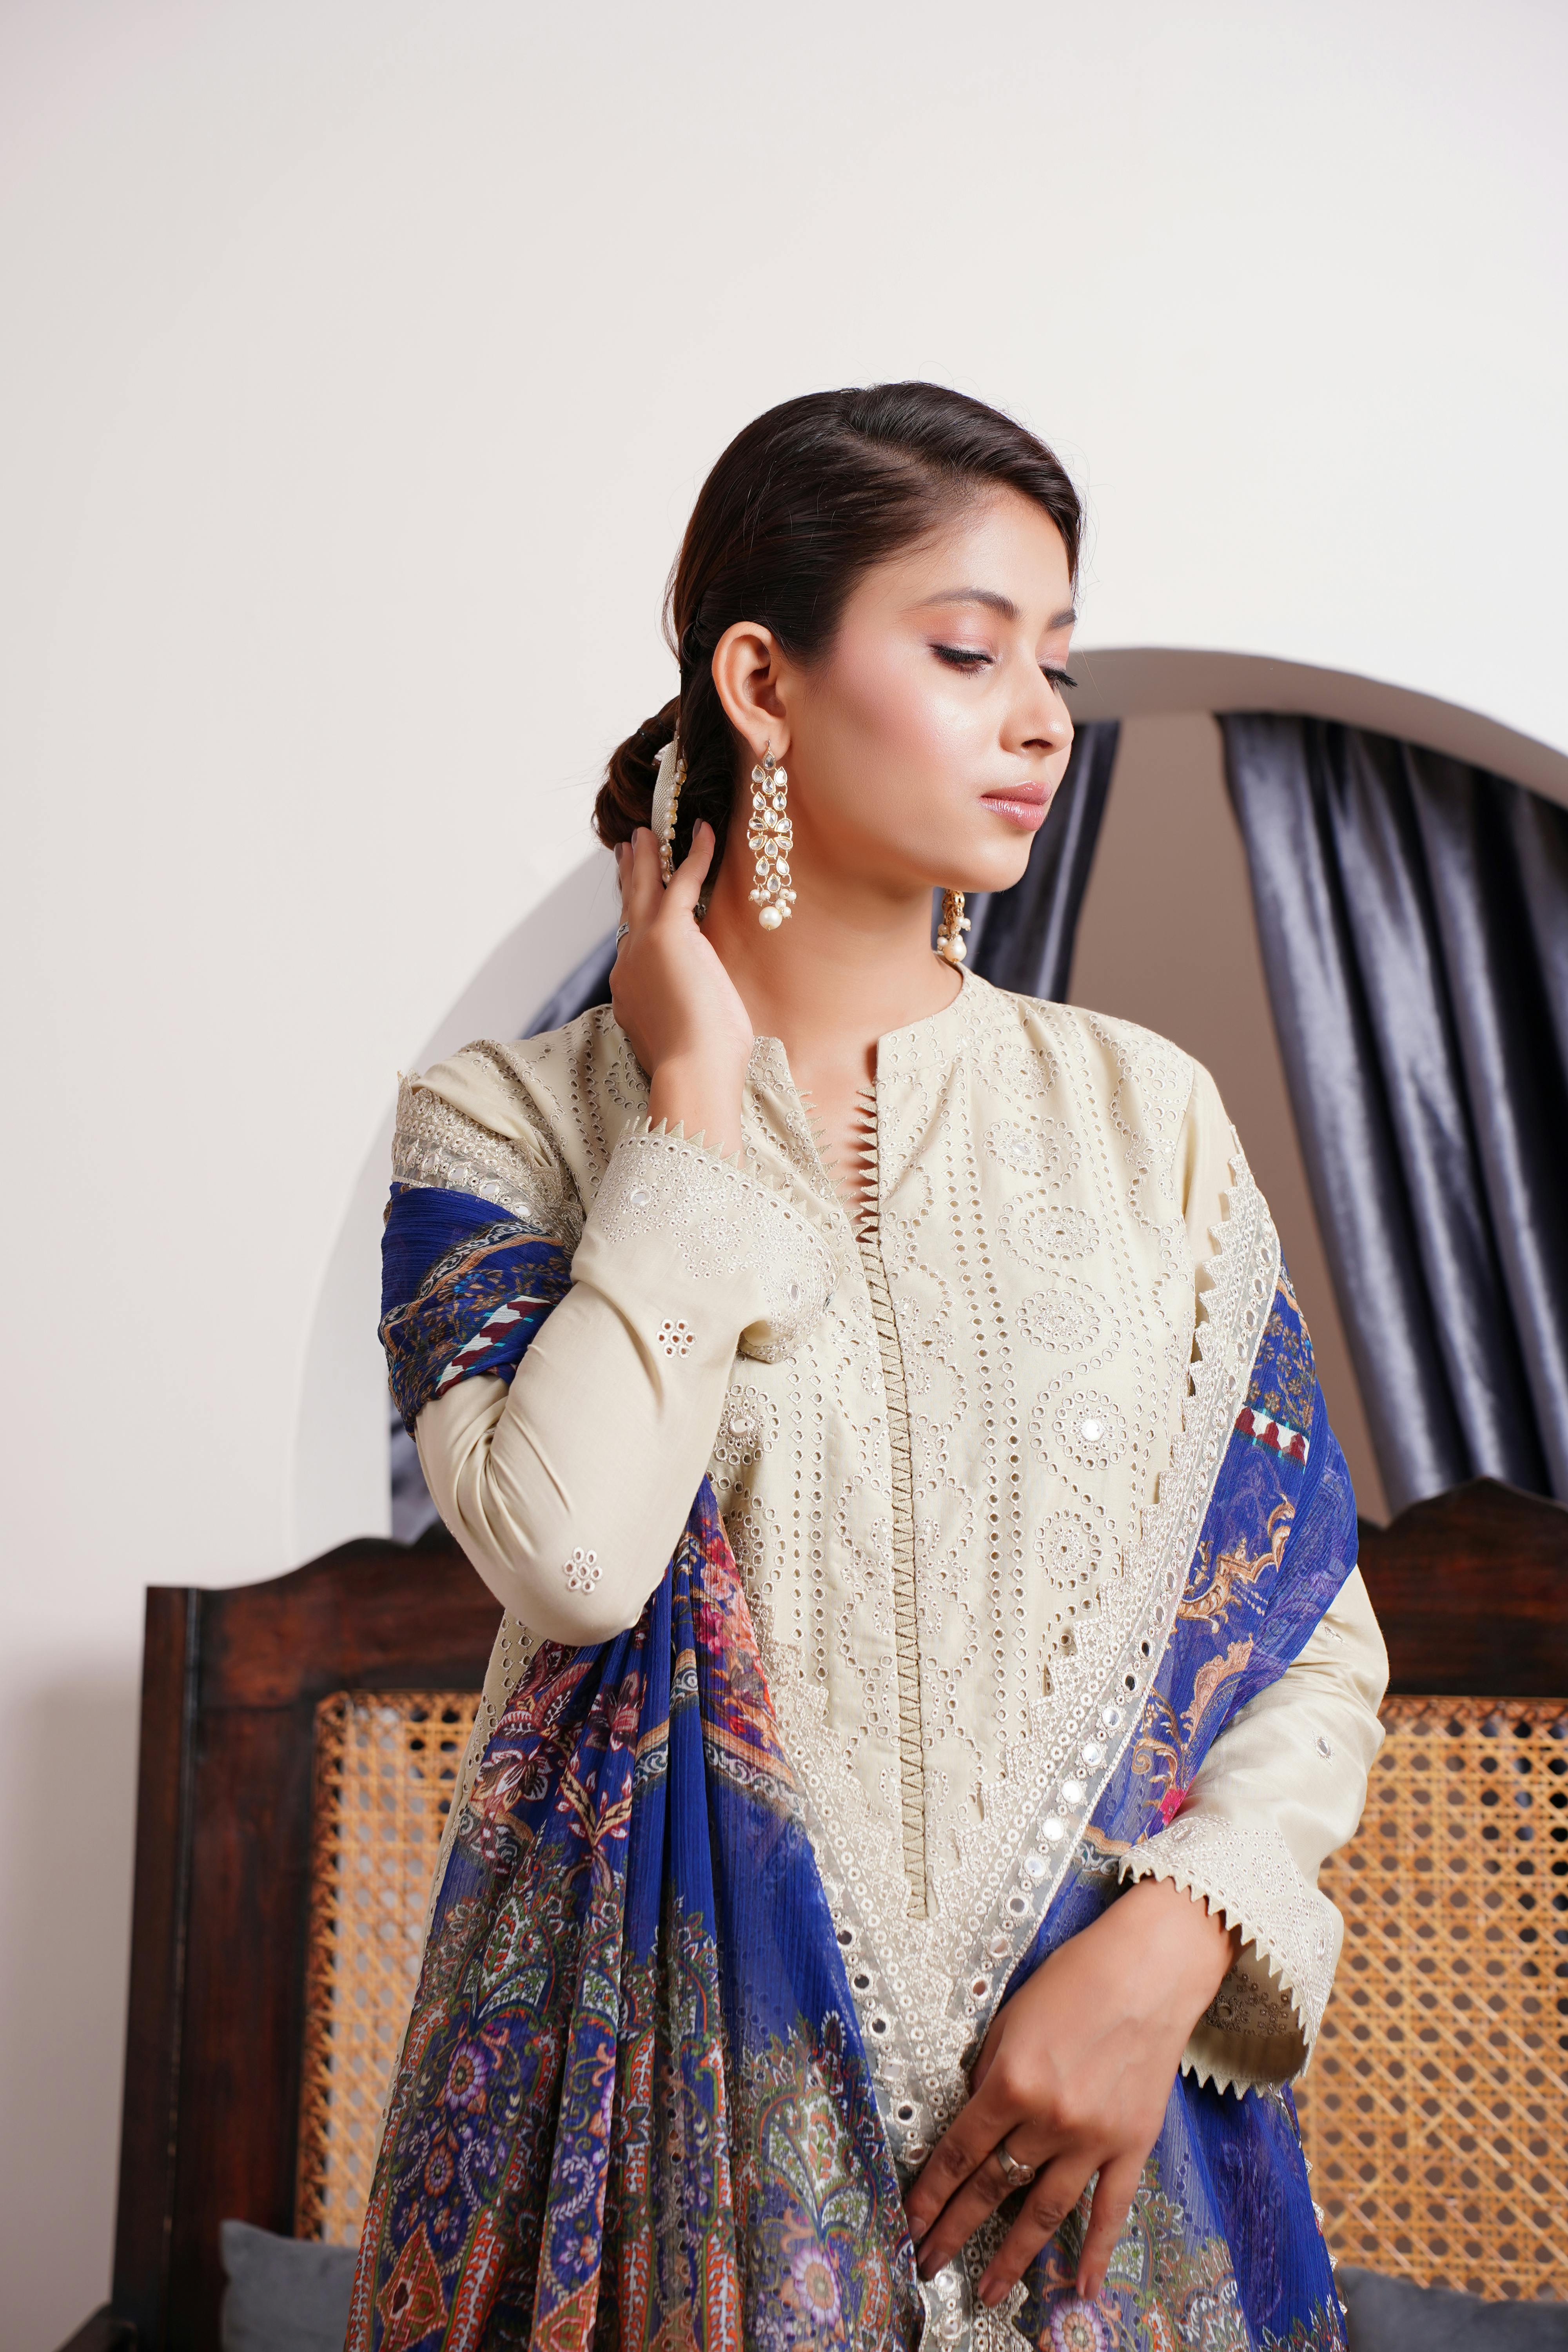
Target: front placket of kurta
[{"x": 902, "y": 1524}]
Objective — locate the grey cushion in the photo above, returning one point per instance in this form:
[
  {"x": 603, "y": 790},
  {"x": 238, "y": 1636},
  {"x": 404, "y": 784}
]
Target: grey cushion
[
  {"x": 284, "y": 2294},
  {"x": 1390, "y": 2314}
]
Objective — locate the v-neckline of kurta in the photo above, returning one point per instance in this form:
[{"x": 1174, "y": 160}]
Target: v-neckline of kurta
[{"x": 770, "y": 1064}]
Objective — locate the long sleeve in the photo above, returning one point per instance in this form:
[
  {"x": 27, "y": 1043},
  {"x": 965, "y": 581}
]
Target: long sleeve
[
  {"x": 1281, "y": 1789},
  {"x": 569, "y": 1488},
  {"x": 1283, "y": 1785}
]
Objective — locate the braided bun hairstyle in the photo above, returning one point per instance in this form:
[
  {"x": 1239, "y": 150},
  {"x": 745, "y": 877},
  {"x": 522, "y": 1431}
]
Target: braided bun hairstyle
[{"x": 802, "y": 504}]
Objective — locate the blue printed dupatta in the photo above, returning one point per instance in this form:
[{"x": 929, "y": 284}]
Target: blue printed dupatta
[
  {"x": 636, "y": 2106},
  {"x": 633, "y": 2107}
]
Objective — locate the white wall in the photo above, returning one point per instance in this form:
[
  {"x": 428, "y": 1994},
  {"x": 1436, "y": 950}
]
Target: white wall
[{"x": 362, "y": 358}]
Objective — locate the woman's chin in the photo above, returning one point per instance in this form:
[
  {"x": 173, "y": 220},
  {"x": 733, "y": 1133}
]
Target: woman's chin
[{"x": 997, "y": 868}]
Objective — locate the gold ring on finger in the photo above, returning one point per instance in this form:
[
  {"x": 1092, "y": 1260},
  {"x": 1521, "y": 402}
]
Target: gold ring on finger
[{"x": 1016, "y": 2175}]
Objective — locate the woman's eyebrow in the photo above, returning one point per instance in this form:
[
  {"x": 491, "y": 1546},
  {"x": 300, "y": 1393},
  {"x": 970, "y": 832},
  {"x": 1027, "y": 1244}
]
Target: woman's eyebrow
[{"x": 1065, "y": 619}]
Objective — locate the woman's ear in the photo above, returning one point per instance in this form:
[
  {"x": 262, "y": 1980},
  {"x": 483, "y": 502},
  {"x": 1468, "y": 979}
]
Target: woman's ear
[{"x": 748, "y": 671}]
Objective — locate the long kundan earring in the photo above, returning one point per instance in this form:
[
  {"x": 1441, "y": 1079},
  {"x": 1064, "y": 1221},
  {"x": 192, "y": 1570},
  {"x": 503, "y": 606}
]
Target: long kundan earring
[
  {"x": 769, "y": 838},
  {"x": 954, "y": 923},
  {"x": 667, "y": 804}
]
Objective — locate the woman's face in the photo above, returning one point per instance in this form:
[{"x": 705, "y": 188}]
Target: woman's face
[{"x": 926, "y": 745}]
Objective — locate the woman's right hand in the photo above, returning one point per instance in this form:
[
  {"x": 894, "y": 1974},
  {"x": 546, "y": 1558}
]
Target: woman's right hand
[{"x": 672, "y": 996}]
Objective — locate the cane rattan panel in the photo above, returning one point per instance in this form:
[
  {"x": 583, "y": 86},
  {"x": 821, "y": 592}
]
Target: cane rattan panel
[
  {"x": 1435, "y": 2114},
  {"x": 385, "y": 1766},
  {"x": 1436, "y": 2111}
]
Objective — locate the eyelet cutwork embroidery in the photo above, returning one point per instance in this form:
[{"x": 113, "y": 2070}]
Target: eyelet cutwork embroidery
[
  {"x": 1070, "y": 1549},
  {"x": 1046, "y": 1233},
  {"x": 1065, "y": 1322},
  {"x": 812, "y": 1508},
  {"x": 1086, "y": 1722},
  {"x": 1085, "y": 1426},
  {"x": 582, "y": 1571},
  {"x": 1014, "y": 1062},
  {"x": 676, "y": 1339},
  {"x": 1047, "y": 1151},
  {"x": 906, "y": 1641},
  {"x": 747, "y": 1427}
]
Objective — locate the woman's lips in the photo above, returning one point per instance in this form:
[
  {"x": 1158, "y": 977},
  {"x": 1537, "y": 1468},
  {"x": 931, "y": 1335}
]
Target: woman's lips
[{"x": 1024, "y": 806}]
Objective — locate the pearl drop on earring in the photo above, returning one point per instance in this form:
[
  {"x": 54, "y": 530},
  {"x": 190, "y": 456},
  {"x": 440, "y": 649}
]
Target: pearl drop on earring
[{"x": 950, "y": 932}]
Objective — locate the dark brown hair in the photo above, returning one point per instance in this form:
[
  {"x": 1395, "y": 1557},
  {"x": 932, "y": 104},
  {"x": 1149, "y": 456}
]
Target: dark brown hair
[{"x": 798, "y": 509}]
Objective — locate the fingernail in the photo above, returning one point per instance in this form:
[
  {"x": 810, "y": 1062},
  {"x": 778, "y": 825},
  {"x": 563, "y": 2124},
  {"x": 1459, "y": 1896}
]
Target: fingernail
[
  {"x": 918, "y": 2229},
  {"x": 992, "y": 2292}
]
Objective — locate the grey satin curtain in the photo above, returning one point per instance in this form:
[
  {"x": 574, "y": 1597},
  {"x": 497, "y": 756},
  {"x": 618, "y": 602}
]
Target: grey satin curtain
[
  {"x": 1023, "y": 938},
  {"x": 1413, "y": 914}
]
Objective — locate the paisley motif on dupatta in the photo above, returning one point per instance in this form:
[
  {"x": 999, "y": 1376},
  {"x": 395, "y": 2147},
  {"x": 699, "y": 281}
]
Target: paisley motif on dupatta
[{"x": 633, "y": 2107}]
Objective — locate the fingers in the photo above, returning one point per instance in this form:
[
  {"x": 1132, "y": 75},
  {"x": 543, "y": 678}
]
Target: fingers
[
  {"x": 979, "y": 2196},
  {"x": 1114, "y": 2195},
  {"x": 641, "y": 888},
  {"x": 686, "y": 882},
  {"x": 643, "y": 891},
  {"x": 960, "y": 2150},
  {"x": 1043, "y": 2210}
]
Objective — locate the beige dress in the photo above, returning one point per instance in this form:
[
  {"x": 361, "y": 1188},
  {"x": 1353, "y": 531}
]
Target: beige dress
[{"x": 961, "y": 1455}]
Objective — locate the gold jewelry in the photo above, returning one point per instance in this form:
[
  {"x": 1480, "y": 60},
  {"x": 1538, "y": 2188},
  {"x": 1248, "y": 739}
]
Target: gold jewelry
[
  {"x": 950, "y": 932},
  {"x": 769, "y": 838},
  {"x": 667, "y": 803},
  {"x": 1016, "y": 2175}
]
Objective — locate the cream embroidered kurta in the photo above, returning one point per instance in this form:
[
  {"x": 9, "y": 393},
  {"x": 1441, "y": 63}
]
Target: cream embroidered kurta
[{"x": 948, "y": 1450}]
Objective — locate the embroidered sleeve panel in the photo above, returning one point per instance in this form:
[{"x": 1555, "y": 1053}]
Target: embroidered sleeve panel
[
  {"x": 726, "y": 1233},
  {"x": 464, "y": 1127},
  {"x": 1262, "y": 2022}
]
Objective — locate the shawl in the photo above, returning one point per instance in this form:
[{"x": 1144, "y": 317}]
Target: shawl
[{"x": 638, "y": 2105}]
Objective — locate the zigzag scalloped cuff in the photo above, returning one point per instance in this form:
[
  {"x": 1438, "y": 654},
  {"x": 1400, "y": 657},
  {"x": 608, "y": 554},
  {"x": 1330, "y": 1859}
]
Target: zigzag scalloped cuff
[{"x": 1261, "y": 2024}]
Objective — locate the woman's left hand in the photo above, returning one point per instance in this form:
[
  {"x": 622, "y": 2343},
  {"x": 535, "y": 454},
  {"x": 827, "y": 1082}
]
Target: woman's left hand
[{"x": 1074, "y": 2076}]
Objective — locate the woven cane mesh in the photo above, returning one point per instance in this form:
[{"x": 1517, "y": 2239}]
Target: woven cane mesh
[
  {"x": 385, "y": 1766},
  {"x": 1435, "y": 2113}
]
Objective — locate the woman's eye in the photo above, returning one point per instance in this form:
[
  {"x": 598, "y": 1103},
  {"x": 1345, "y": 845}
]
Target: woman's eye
[
  {"x": 962, "y": 657},
  {"x": 1058, "y": 678}
]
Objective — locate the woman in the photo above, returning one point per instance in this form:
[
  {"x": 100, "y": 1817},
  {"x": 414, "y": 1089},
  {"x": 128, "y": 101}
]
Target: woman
[{"x": 881, "y": 1906}]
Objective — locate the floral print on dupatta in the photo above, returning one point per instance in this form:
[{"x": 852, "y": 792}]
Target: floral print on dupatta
[{"x": 633, "y": 2108}]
